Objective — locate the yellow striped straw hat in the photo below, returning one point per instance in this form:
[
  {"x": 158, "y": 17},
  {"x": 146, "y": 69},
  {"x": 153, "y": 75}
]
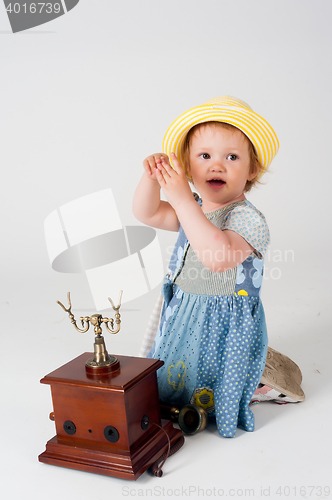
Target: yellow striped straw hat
[{"x": 229, "y": 110}]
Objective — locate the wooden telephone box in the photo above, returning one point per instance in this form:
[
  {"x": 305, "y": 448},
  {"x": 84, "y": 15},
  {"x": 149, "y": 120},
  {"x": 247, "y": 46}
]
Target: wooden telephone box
[{"x": 105, "y": 424}]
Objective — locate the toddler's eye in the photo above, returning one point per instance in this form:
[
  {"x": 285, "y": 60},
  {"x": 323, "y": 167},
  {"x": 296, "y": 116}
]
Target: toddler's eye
[
  {"x": 232, "y": 157},
  {"x": 205, "y": 156}
]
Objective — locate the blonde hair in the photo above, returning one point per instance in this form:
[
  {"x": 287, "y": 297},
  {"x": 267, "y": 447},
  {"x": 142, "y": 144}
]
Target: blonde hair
[{"x": 255, "y": 165}]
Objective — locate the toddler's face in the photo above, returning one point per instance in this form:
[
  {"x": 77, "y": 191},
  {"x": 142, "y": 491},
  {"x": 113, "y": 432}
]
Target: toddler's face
[{"x": 219, "y": 161}]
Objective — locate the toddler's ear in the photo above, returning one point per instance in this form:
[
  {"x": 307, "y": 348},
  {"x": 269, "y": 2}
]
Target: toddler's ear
[{"x": 253, "y": 171}]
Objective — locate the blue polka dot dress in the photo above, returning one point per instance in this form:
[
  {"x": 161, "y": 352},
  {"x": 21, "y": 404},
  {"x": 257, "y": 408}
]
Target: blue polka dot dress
[{"x": 212, "y": 335}]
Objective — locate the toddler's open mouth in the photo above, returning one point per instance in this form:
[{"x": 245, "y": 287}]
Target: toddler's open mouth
[{"x": 216, "y": 183}]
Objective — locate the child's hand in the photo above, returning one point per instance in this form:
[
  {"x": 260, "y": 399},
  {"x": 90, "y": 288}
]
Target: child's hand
[
  {"x": 151, "y": 163},
  {"x": 173, "y": 182}
]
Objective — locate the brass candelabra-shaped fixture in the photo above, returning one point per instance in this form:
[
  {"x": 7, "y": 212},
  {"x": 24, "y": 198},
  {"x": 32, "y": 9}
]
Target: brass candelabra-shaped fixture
[{"x": 101, "y": 362}]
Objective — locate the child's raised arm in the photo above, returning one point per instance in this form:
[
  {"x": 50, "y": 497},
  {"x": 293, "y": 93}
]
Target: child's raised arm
[
  {"x": 218, "y": 250},
  {"x": 147, "y": 205}
]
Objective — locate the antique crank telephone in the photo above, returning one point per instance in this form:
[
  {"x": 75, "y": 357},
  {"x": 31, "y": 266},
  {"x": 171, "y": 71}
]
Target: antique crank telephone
[{"x": 107, "y": 411}]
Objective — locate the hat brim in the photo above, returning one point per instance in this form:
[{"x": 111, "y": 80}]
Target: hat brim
[{"x": 258, "y": 130}]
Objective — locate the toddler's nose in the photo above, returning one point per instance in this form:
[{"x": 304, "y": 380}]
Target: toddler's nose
[{"x": 218, "y": 166}]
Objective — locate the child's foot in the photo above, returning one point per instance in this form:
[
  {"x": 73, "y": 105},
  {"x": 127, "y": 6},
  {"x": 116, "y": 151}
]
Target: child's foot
[{"x": 266, "y": 393}]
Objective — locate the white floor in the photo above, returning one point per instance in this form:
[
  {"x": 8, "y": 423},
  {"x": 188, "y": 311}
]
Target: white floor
[{"x": 288, "y": 455}]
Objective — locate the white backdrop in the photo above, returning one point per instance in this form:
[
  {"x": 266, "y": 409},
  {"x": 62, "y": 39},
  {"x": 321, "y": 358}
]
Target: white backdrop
[{"x": 84, "y": 99}]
